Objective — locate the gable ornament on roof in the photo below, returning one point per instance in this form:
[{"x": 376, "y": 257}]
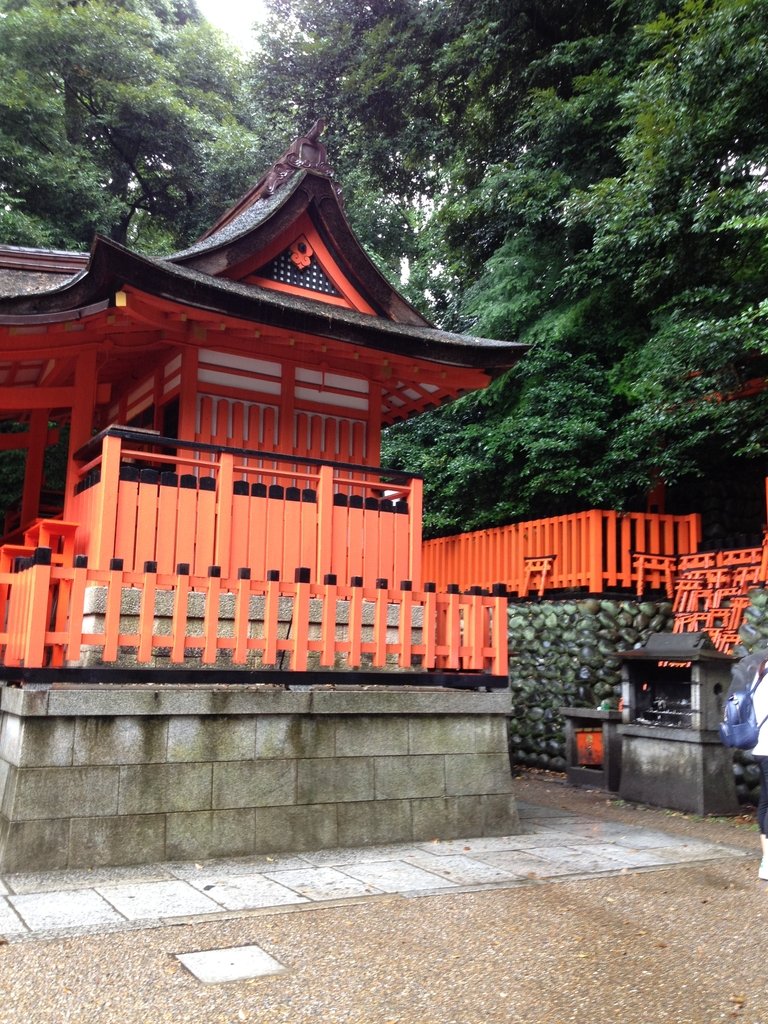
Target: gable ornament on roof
[{"x": 306, "y": 153}]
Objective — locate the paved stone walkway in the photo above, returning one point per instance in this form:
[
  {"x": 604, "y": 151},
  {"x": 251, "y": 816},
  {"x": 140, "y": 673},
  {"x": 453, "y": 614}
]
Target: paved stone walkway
[{"x": 555, "y": 846}]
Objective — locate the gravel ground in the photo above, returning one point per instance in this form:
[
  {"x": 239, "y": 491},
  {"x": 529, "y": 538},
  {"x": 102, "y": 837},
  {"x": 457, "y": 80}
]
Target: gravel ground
[{"x": 672, "y": 946}]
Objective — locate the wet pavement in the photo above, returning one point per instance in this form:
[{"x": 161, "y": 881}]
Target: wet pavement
[{"x": 555, "y": 846}]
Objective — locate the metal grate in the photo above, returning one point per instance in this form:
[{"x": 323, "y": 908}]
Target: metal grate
[
  {"x": 239, "y": 963},
  {"x": 668, "y": 712},
  {"x": 312, "y": 277}
]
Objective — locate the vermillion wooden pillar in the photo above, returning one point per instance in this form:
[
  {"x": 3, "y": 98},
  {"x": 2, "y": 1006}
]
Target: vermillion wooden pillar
[
  {"x": 595, "y": 548},
  {"x": 287, "y": 443},
  {"x": 416, "y": 504},
  {"x": 102, "y": 547},
  {"x": 188, "y": 394},
  {"x": 81, "y": 423}
]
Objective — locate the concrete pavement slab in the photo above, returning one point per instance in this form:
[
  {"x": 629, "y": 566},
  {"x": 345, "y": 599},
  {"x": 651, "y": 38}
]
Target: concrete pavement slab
[
  {"x": 10, "y": 922},
  {"x": 640, "y": 839},
  {"x": 156, "y": 900},
  {"x": 557, "y": 845},
  {"x": 317, "y": 883},
  {"x": 657, "y": 856},
  {"x": 75, "y": 908},
  {"x": 358, "y": 855},
  {"x": 473, "y": 846},
  {"x": 459, "y": 869},
  {"x": 86, "y": 878},
  {"x": 525, "y": 809},
  {"x": 396, "y": 876},
  {"x": 532, "y": 866},
  {"x": 232, "y": 867},
  {"x": 567, "y": 855},
  {"x": 246, "y": 892},
  {"x": 613, "y": 832}
]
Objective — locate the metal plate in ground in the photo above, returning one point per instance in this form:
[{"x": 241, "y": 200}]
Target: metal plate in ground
[{"x": 213, "y": 966}]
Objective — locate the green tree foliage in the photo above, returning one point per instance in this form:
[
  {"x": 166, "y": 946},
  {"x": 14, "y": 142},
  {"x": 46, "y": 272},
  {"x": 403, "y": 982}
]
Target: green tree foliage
[
  {"x": 127, "y": 117},
  {"x": 364, "y": 68},
  {"x": 587, "y": 178},
  {"x": 624, "y": 238}
]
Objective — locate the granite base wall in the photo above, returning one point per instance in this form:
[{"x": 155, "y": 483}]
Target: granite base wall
[{"x": 95, "y": 776}]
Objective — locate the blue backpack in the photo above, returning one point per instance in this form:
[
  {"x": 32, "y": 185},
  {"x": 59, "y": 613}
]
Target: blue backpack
[{"x": 740, "y": 728}]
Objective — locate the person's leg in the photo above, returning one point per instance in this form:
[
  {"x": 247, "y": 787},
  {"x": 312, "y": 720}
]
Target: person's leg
[{"x": 762, "y": 815}]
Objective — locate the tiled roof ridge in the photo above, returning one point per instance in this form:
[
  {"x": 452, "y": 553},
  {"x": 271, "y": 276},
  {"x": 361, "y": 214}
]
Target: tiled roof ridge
[{"x": 56, "y": 261}]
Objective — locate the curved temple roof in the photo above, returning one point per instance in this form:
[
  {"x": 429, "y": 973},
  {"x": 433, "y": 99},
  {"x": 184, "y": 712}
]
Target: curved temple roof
[{"x": 230, "y": 273}]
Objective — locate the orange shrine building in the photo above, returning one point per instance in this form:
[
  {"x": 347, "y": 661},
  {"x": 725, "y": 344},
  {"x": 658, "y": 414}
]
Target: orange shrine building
[{"x": 224, "y": 507}]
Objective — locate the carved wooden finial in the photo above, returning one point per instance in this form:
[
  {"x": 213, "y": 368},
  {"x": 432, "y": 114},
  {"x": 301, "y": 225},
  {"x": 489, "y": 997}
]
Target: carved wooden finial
[
  {"x": 316, "y": 130},
  {"x": 306, "y": 153}
]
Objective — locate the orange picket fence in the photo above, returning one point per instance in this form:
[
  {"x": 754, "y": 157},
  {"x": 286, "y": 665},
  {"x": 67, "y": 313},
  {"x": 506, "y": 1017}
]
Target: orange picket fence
[
  {"x": 142, "y": 498},
  {"x": 594, "y": 551},
  {"x": 56, "y": 616}
]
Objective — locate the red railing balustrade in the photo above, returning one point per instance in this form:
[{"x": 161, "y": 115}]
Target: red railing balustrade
[
  {"x": 594, "y": 551},
  {"x": 71, "y": 616},
  {"x": 143, "y": 498}
]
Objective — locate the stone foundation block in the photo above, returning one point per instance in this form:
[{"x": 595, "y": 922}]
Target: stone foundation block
[
  {"x": 37, "y": 742},
  {"x": 469, "y": 774},
  {"x": 375, "y": 823},
  {"x": 462, "y": 734},
  {"x": 296, "y": 736},
  {"x": 255, "y": 784},
  {"x": 217, "y": 738},
  {"x": 409, "y": 776},
  {"x": 35, "y": 793},
  {"x": 201, "y": 835},
  {"x": 147, "y": 789},
  {"x": 333, "y": 780},
  {"x": 386, "y": 735},
  {"x": 99, "y": 775},
  {"x": 40, "y": 845},
  {"x": 121, "y": 839},
  {"x": 287, "y": 829},
  {"x": 121, "y": 740}
]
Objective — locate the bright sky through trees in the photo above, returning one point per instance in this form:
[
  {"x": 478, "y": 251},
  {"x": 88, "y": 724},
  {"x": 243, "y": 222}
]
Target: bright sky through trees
[{"x": 235, "y": 17}]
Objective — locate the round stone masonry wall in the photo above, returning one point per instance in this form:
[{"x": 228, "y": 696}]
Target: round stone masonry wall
[{"x": 110, "y": 775}]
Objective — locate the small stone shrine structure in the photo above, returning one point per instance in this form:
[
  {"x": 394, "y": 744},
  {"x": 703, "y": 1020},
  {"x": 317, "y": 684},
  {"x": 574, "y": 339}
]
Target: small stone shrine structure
[{"x": 674, "y": 688}]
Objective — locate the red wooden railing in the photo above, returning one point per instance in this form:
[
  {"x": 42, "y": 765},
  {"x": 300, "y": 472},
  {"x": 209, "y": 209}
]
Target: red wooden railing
[
  {"x": 593, "y": 551},
  {"x": 56, "y": 616},
  {"x": 142, "y": 498}
]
